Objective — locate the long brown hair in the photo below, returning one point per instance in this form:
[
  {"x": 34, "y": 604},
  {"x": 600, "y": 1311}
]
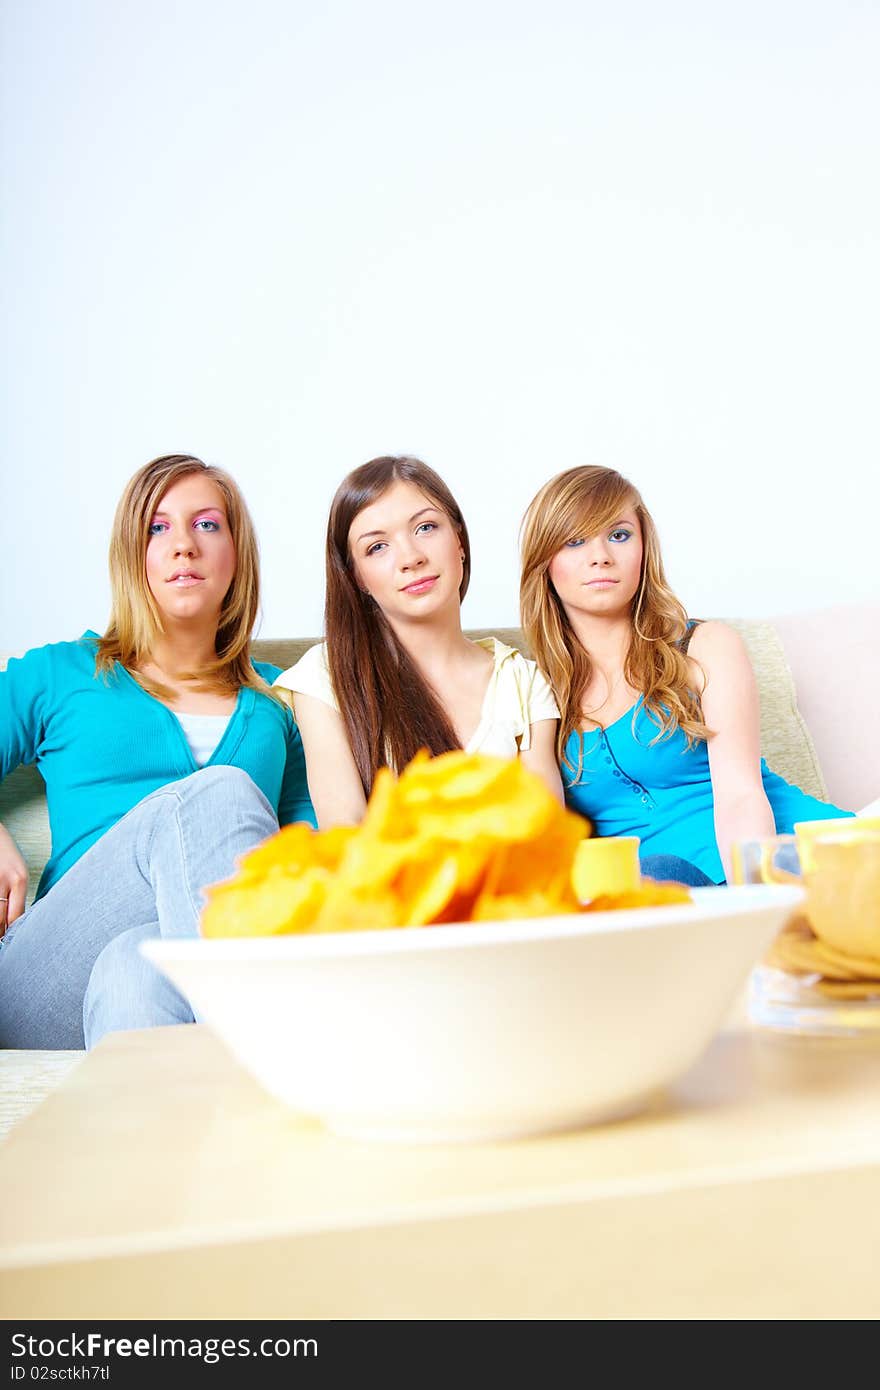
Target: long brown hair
[
  {"x": 579, "y": 503},
  {"x": 135, "y": 622},
  {"x": 389, "y": 710}
]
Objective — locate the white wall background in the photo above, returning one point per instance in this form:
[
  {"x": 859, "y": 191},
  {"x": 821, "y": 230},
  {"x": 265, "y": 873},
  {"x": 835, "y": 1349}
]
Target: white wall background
[{"x": 509, "y": 237}]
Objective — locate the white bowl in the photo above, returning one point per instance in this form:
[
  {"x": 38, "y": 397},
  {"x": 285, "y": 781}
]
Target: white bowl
[{"x": 482, "y": 1030}]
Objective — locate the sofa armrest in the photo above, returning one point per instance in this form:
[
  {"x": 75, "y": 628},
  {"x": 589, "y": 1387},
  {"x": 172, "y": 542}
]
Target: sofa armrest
[{"x": 834, "y": 656}]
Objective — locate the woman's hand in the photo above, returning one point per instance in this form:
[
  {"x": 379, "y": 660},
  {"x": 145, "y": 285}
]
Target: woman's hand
[{"x": 13, "y": 881}]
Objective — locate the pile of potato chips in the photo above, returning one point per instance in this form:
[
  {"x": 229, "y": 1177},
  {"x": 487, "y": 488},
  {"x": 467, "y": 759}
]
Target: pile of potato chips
[
  {"x": 461, "y": 837},
  {"x": 457, "y": 838}
]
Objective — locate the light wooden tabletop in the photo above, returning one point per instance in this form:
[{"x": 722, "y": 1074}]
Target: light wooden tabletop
[{"x": 159, "y": 1181}]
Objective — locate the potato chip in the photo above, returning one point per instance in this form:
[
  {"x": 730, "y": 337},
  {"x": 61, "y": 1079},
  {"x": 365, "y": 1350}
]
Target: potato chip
[
  {"x": 361, "y": 912},
  {"x": 277, "y": 903},
  {"x": 651, "y": 894},
  {"x": 517, "y": 905},
  {"x": 297, "y": 847},
  {"x": 461, "y": 797}
]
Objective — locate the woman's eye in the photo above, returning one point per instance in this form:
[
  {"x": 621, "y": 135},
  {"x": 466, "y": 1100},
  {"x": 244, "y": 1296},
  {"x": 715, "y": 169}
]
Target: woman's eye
[
  {"x": 570, "y": 545},
  {"x": 621, "y": 534},
  {"x": 206, "y": 524},
  {"x": 375, "y": 547},
  {"x": 426, "y": 526},
  {"x": 156, "y": 528}
]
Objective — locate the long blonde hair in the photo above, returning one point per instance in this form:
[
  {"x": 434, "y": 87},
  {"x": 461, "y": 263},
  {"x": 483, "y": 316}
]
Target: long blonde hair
[
  {"x": 579, "y": 503},
  {"x": 135, "y": 622},
  {"x": 387, "y": 706}
]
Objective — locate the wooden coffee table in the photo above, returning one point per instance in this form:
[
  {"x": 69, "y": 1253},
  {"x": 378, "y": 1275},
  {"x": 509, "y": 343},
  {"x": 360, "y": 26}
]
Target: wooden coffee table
[{"x": 158, "y": 1181}]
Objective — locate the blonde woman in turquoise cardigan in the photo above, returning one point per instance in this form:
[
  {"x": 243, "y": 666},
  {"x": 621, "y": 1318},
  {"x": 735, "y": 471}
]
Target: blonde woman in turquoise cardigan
[{"x": 165, "y": 756}]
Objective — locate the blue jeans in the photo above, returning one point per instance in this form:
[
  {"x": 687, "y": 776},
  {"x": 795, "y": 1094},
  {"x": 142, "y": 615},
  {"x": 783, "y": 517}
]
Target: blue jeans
[
  {"x": 670, "y": 868},
  {"x": 70, "y": 968}
]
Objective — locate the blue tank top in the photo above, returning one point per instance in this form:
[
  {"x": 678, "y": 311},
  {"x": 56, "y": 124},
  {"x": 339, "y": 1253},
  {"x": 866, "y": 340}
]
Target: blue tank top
[{"x": 662, "y": 792}]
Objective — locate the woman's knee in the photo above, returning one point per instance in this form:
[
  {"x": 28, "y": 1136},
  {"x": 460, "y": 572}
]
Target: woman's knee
[
  {"x": 221, "y": 786},
  {"x": 207, "y": 781}
]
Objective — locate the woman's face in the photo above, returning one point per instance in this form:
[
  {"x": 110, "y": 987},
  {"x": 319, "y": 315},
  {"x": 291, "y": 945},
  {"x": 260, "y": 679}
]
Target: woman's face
[
  {"x": 190, "y": 554},
  {"x": 599, "y": 575},
  {"x": 406, "y": 554}
]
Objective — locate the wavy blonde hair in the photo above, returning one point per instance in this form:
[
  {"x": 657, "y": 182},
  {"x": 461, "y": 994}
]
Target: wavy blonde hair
[
  {"x": 135, "y": 621},
  {"x": 580, "y": 503}
]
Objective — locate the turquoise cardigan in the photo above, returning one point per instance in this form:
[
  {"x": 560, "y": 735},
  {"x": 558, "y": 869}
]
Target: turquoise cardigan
[{"x": 102, "y": 744}]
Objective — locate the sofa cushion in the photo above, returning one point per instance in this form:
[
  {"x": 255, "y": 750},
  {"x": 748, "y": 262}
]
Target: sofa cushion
[
  {"x": 24, "y": 812},
  {"x": 785, "y": 739},
  {"x": 286, "y": 651}
]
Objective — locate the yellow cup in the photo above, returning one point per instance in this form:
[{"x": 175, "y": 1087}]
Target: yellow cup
[
  {"x": 606, "y": 864},
  {"x": 842, "y": 827},
  {"x": 842, "y": 876}
]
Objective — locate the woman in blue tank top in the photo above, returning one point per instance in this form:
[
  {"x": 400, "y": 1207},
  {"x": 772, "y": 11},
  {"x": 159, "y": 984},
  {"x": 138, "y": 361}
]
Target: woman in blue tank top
[{"x": 659, "y": 734}]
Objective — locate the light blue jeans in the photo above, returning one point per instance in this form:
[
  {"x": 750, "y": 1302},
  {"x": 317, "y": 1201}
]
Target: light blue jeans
[
  {"x": 670, "y": 868},
  {"x": 70, "y": 968}
]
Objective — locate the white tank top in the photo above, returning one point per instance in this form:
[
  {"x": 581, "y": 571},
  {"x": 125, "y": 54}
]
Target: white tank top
[{"x": 203, "y": 732}]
